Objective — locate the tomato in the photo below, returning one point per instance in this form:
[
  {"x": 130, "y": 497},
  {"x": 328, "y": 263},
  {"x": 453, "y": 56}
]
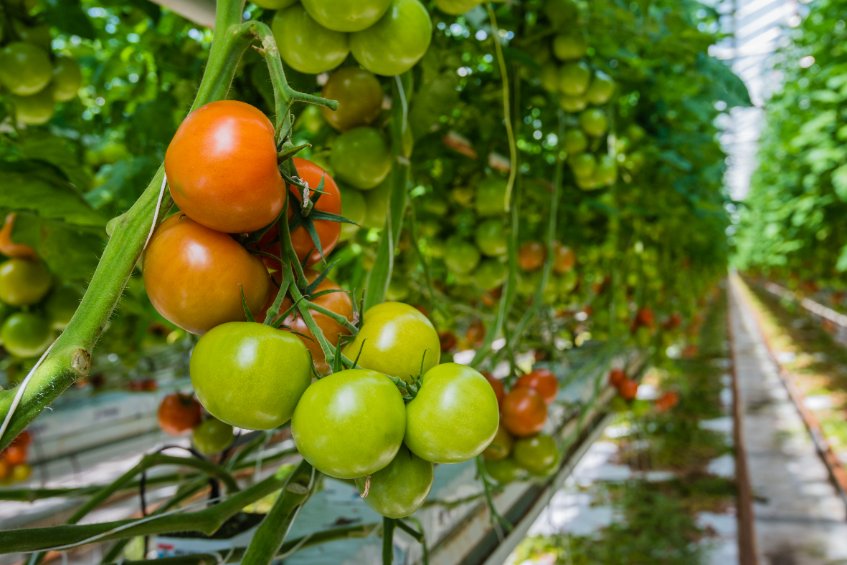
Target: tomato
[
  {"x": 504, "y": 471},
  {"x": 212, "y": 436},
  {"x": 538, "y": 454},
  {"x": 61, "y": 305},
  {"x": 475, "y": 332},
  {"x": 25, "y": 69},
  {"x": 601, "y": 89},
  {"x": 222, "y": 168},
  {"x": 462, "y": 256},
  {"x": 572, "y": 104},
  {"x": 454, "y": 415},
  {"x": 628, "y": 389},
  {"x": 606, "y": 172},
  {"x": 575, "y": 141},
  {"x": 5, "y": 468},
  {"x": 396, "y": 42},
  {"x": 305, "y": 45},
  {"x": 20, "y": 473},
  {"x": 574, "y": 78},
  {"x": 667, "y": 401},
  {"x": 67, "y": 79},
  {"x": 179, "y": 413},
  {"x": 569, "y": 46},
  {"x": 500, "y": 447},
  {"x": 497, "y": 386},
  {"x": 395, "y": 339},
  {"x": 8, "y": 247},
  {"x": 346, "y": 15},
  {"x": 524, "y": 411},
  {"x": 361, "y": 158},
  {"x": 329, "y": 202},
  {"x": 490, "y": 274},
  {"x": 337, "y": 300},
  {"x": 179, "y": 263},
  {"x": 350, "y": 424},
  {"x": 23, "y": 282},
  {"x": 274, "y": 4},
  {"x": 549, "y": 77},
  {"x": 543, "y": 381},
  {"x": 400, "y": 488},
  {"x": 354, "y": 208},
  {"x": 564, "y": 258},
  {"x": 617, "y": 377},
  {"x": 250, "y": 375},
  {"x": 377, "y": 202},
  {"x": 492, "y": 238},
  {"x": 24, "y": 334},
  {"x": 456, "y": 7},
  {"x": 531, "y": 255},
  {"x": 359, "y": 97},
  {"x": 490, "y": 196},
  {"x": 594, "y": 122},
  {"x": 15, "y": 454},
  {"x": 582, "y": 165}
]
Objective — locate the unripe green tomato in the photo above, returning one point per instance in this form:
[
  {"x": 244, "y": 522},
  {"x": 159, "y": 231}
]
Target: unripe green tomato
[
  {"x": 504, "y": 471},
  {"x": 490, "y": 274},
  {"x": 606, "y": 172},
  {"x": 346, "y": 15},
  {"x": 36, "y": 109},
  {"x": 575, "y": 141},
  {"x": 61, "y": 305},
  {"x": 550, "y": 77},
  {"x": 500, "y": 447},
  {"x": 569, "y": 46},
  {"x": 274, "y": 4},
  {"x": 353, "y": 208},
  {"x": 250, "y": 375},
  {"x": 25, "y": 68},
  {"x": 400, "y": 488},
  {"x": 67, "y": 79},
  {"x": 582, "y": 165},
  {"x": 601, "y": 89},
  {"x": 574, "y": 78},
  {"x": 212, "y": 436},
  {"x": 23, "y": 281},
  {"x": 492, "y": 238},
  {"x": 572, "y": 104},
  {"x": 396, "y": 42},
  {"x": 38, "y": 35},
  {"x": 594, "y": 122},
  {"x": 453, "y": 417},
  {"x": 397, "y": 290},
  {"x": 537, "y": 454},
  {"x": 456, "y": 7},
  {"x": 359, "y": 96},
  {"x": 462, "y": 257},
  {"x": 306, "y": 45},
  {"x": 361, "y": 158},
  {"x": 527, "y": 283},
  {"x": 350, "y": 424},
  {"x": 26, "y": 335},
  {"x": 490, "y": 196},
  {"x": 562, "y": 13},
  {"x": 395, "y": 339}
]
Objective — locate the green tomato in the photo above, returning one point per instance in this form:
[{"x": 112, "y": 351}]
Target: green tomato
[
  {"x": 490, "y": 196},
  {"x": 397, "y": 290},
  {"x": 500, "y": 447},
  {"x": 26, "y": 335},
  {"x": 537, "y": 454},
  {"x": 361, "y": 158},
  {"x": 34, "y": 110},
  {"x": 38, "y": 35},
  {"x": 274, "y": 4},
  {"x": 453, "y": 417},
  {"x": 572, "y": 104},
  {"x": 377, "y": 202},
  {"x": 359, "y": 96},
  {"x": 350, "y": 424},
  {"x": 492, "y": 238},
  {"x": 550, "y": 77},
  {"x": 353, "y": 208},
  {"x": 23, "y": 281},
  {"x": 346, "y": 15},
  {"x": 561, "y": 13},
  {"x": 490, "y": 274},
  {"x": 575, "y": 141},
  {"x": 67, "y": 79},
  {"x": 212, "y": 436},
  {"x": 395, "y": 339},
  {"x": 601, "y": 89},
  {"x": 504, "y": 471},
  {"x": 396, "y": 42},
  {"x": 61, "y": 305},
  {"x": 456, "y": 7},
  {"x": 594, "y": 122},
  {"x": 400, "y": 488},
  {"x": 582, "y": 165},
  {"x": 606, "y": 172},
  {"x": 250, "y": 375},
  {"x": 462, "y": 256},
  {"x": 306, "y": 45},
  {"x": 569, "y": 46},
  {"x": 25, "y": 69},
  {"x": 574, "y": 78}
]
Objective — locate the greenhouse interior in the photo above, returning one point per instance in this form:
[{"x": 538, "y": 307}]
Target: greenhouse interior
[{"x": 523, "y": 282}]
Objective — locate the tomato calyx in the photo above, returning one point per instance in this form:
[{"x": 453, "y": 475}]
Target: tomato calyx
[{"x": 408, "y": 390}]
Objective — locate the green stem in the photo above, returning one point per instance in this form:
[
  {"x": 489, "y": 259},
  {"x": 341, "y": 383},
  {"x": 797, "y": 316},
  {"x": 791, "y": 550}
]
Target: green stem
[{"x": 388, "y": 525}]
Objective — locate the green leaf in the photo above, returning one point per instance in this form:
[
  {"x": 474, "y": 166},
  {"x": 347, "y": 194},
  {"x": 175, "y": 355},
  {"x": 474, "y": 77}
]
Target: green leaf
[
  {"x": 839, "y": 182},
  {"x": 71, "y": 252},
  {"x": 69, "y": 17}
]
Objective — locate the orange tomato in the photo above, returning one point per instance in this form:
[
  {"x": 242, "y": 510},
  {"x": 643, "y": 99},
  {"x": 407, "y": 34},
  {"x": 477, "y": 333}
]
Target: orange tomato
[
  {"x": 531, "y": 256},
  {"x": 524, "y": 412},
  {"x": 543, "y": 381}
]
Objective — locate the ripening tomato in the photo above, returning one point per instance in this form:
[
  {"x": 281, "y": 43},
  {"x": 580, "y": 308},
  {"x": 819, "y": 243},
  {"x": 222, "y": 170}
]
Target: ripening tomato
[
  {"x": 179, "y": 413},
  {"x": 182, "y": 259},
  {"x": 222, "y": 168},
  {"x": 524, "y": 412},
  {"x": 15, "y": 454},
  {"x": 327, "y": 201},
  {"x": 350, "y": 424},
  {"x": 667, "y": 401},
  {"x": 531, "y": 256},
  {"x": 564, "y": 258},
  {"x": 346, "y": 15},
  {"x": 500, "y": 447},
  {"x": 305, "y": 45},
  {"x": 396, "y": 42},
  {"x": 23, "y": 281},
  {"x": 543, "y": 381},
  {"x": 25, "y": 68},
  {"x": 250, "y": 375},
  {"x": 497, "y": 386},
  {"x": 617, "y": 377},
  {"x": 212, "y": 436},
  {"x": 20, "y": 473},
  {"x": 537, "y": 454},
  {"x": 361, "y": 158},
  {"x": 359, "y": 96},
  {"x": 628, "y": 389},
  {"x": 8, "y": 247},
  {"x": 400, "y": 488},
  {"x": 453, "y": 417},
  {"x": 395, "y": 339},
  {"x": 25, "y": 334}
]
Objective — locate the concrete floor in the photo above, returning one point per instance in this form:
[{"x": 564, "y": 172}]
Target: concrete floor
[{"x": 799, "y": 517}]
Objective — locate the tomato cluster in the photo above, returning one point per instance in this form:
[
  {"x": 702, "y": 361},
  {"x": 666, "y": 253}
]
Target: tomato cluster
[
  {"x": 35, "y": 77},
  {"x": 520, "y": 448},
  {"x": 13, "y": 460},
  {"x": 627, "y": 387},
  {"x": 179, "y": 413},
  {"x": 387, "y": 37},
  {"x": 32, "y": 308}
]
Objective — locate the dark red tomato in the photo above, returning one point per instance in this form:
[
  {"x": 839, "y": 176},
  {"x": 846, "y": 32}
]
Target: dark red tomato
[
  {"x": 497, "y": 385},
  {"x": 222, "y": 168},
  {"x": 543, "y": 381},
  {"x": 195, "y": 277},
  {"x": 448, "y": 340},
  {"x": 616, "y": 377},
  {"x": 179, "y": 413},
  {"x": 628, "y": 389},
  {"x": 524, "y": 412},
  {"x": 667, "y": 401}
]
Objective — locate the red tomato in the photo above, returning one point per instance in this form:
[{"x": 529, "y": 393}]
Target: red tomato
[
  {"x": 667, "y": 401},
  {"x": 543, "y": 381},
  {"x": 497, "y": 385},
  {"x": 15, "y": 454},
  {"x": 628, "y": 389},
  {"x": 616, "y": 377},
  {"x": 179, "y": 413},
  {"x": 524, "y": 412}
]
